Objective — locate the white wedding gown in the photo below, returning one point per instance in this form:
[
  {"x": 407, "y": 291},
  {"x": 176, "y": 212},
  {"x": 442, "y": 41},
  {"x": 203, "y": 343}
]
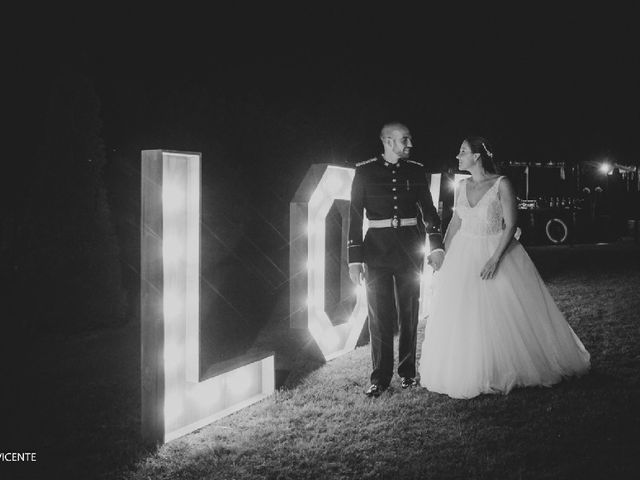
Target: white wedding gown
[{"x": 489, "y": 336}]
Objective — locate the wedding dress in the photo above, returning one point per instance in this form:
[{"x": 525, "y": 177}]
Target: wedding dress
[{"x": 489, "y": 336}]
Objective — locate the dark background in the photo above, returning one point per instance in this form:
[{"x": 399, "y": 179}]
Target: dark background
[{"x": 263, "y": 93}]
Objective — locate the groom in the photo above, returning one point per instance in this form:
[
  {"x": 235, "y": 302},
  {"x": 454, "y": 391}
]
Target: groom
[{"x": 395, "y": 194}]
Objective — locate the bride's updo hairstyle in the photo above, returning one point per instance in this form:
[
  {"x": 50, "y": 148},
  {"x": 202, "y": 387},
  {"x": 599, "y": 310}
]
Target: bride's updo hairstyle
[{"x": 483, "y": 147}]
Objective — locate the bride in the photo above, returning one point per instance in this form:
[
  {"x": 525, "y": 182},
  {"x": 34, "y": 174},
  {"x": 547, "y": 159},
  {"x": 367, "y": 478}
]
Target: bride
[{"x": 493, "y": 324}]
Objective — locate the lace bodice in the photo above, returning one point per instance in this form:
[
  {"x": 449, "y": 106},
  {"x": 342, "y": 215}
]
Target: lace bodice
[{"x": 485, "y": 217}]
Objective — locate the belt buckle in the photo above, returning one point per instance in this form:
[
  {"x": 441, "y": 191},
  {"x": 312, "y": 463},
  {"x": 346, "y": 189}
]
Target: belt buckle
[{"x": 395, "y": 222}]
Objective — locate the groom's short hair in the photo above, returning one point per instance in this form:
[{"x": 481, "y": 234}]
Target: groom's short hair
[{"x": 388, "y": 129}]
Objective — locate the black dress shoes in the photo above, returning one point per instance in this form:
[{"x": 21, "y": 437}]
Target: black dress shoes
[
  {"x": 408, "y": 382},
  {"x": 374, "y": 390}
]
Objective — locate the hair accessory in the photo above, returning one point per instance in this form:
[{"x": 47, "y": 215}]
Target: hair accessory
[{"x": 489, "y": 154}]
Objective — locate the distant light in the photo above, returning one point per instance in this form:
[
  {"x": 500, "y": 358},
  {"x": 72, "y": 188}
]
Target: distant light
[
  {"x": 452, "y": 184},
  {"x": 605, "y": 168}
]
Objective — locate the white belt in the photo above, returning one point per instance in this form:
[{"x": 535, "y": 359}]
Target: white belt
[{"x": 393, "y": 222}]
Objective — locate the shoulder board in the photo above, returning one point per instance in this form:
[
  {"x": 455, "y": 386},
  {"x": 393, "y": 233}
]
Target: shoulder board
[
  {"x": 413, "y": 161},
  {"x": 359, "y": 164}
]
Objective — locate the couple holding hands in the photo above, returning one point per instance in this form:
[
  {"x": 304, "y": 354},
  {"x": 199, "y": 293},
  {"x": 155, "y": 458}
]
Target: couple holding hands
[{"x": 492, "y": 324}]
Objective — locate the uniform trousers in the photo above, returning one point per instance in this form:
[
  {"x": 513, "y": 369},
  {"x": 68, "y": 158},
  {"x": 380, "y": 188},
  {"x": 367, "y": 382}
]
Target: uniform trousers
[{"x": 393, "y": 294}]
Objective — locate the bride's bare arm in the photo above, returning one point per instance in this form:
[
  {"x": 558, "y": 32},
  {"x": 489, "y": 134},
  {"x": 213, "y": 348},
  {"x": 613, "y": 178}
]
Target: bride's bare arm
[
  {"x": 510, "y": 214},
  {"x": 456, "y": 221},
  {"x": 452, "y": 229}
]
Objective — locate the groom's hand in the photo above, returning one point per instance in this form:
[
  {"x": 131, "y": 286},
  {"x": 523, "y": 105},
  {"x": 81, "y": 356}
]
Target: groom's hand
[
  {"x": 356, "y": 273},
  {"x": 435, "y": 259}
]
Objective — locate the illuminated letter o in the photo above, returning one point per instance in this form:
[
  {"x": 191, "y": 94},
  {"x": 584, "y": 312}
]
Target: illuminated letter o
[{"x": 322, "y": 185}]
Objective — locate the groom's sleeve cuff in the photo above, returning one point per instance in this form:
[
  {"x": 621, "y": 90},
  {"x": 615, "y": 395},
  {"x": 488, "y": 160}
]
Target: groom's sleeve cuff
[
  {"x": 355, "y": 253},
  {"x": 435, "y": 241}
]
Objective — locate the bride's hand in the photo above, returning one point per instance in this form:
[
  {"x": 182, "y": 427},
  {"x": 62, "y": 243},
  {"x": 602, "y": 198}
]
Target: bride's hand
[
  {"x": 490, "y": 269},
  {"x": 357, "y": 273},
  {"x": 435, "y": 260}
]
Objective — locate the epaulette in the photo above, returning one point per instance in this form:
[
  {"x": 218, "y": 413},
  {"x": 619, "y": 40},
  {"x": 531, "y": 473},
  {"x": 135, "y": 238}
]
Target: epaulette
[
  {"x": 359, "y": 164},
  {"x": 413, "y": 161}
]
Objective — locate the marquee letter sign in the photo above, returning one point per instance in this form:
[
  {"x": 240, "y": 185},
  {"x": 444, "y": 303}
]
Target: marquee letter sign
[
  {"x": 175, "y": 401},
  {"x": 322, "y": 185}
]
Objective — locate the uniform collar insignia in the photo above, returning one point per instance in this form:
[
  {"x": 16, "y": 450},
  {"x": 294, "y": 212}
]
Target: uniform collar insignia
[{"x": 389, "y": 164}]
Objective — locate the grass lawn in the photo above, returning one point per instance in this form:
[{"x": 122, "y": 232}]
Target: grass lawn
[{"x": 320, "y": 425}]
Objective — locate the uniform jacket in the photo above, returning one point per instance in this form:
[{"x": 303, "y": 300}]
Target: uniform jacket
[{"x": 388, "y": 191}]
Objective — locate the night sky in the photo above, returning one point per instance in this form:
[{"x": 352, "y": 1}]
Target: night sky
[{"x": 312, "y": 84}]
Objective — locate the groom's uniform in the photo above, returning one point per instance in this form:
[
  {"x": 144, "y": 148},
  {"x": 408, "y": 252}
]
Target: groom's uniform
[{"x": 400, "y": 211}]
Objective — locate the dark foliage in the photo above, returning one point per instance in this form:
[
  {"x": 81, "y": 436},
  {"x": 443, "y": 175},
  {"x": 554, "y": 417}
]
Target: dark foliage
[{"x": 61, "y": 246}]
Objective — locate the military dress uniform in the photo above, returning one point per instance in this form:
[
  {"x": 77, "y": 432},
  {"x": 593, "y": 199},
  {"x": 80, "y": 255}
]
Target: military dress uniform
[{"x": 400, "y": 211}]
